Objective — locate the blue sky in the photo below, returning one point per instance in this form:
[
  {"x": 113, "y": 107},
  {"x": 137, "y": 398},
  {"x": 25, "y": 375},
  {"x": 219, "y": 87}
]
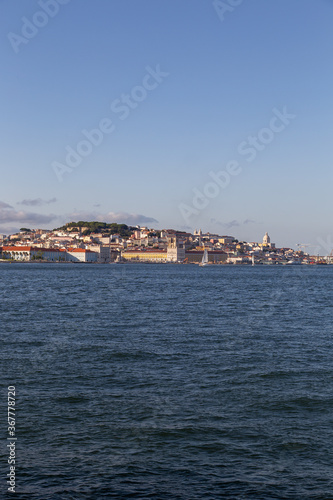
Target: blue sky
[{"x": 220, "y": 72}]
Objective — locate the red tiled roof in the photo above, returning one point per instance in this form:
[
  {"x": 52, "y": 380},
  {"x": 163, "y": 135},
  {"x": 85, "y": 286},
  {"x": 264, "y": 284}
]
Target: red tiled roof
[
  {"x": 141, "y": 250},
  {"x": 79, "y": 250},
  {"x": 45, "y": 249},
  {"x": 30, "y": 249},
  {"x": 210, "y": 252},
  {"x": 17, "y": 249}
]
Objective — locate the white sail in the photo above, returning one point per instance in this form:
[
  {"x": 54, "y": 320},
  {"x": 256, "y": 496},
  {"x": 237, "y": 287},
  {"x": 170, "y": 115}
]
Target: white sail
[{"x": 204, "y": 258}]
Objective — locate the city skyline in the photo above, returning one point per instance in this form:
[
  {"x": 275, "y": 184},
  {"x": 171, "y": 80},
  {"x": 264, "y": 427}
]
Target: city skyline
[
  {"x": 102, "y": 243},
  {"x": 123, "y": 231},
  {"x": 183, "y": 115}
]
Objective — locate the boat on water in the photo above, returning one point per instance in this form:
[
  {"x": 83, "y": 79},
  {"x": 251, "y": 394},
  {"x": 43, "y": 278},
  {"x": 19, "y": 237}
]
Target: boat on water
[
  {"x": 253, "y": 260},
  {"x": 204, "y": 261}
]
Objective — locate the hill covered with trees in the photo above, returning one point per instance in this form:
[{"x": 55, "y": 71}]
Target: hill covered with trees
[{"x": 87, "y": 228}]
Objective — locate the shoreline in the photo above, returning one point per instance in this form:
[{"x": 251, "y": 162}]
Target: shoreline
[{"x": 262, "y": 264}]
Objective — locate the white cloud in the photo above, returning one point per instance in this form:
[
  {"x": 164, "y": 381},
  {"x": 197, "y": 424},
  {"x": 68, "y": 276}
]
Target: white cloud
[
  {"x": 4, "y": 205},
  {"x": 37, "y": 202},
  {"x": 227, "y": 225},
  {"x": 8, "y": 216},
  {"x": 26, "y": 217}
]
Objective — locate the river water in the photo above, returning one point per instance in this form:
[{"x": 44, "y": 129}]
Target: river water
[{"x": 168, "y": 381}]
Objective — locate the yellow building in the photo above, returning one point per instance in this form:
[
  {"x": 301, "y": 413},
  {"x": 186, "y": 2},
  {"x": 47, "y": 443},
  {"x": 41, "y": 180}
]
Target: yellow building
[
  {"x": 145, "y": 255},
  {"x": 159, "y": 255}
]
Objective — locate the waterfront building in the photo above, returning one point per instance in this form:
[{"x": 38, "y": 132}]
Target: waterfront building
[
  {"x": 28, "y": 253},
  {"x": 214, "y": 256},
  {"x": 103, "y": 252},
  {"x": 175, "y": 249},
  {"x": 145, "y": 255},
  {"x": 31, "y": 253},
  {"x": 81, "y": 255}
]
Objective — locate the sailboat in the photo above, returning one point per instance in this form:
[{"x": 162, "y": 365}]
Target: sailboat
[
  {"x": 204, "y": 261},
  {"x": 252, "y": 260}
]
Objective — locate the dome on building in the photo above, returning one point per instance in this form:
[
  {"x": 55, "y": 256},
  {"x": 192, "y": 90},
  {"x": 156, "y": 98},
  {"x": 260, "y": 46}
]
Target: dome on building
[{"x": 266, "y": 239}]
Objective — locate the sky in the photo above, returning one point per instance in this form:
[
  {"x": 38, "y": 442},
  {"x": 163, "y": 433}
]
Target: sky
[{"x": 181, "y": 114}]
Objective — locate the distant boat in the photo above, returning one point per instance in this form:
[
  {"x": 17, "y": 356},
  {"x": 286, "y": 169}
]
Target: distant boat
[
  {"x": 252, "y": 260},
  {"x": 204, "y": 261}
]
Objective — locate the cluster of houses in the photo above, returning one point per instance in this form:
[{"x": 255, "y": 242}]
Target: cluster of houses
[{"x": 143, "y": 245}]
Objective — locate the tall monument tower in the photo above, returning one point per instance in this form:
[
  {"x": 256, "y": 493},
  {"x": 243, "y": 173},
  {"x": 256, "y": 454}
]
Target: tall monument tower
[{"x": 176, "y": 249}]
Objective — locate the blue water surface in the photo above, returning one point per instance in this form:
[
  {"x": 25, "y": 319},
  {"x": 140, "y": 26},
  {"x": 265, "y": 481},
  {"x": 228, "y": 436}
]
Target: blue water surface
[{"x": 168, "y": 381}]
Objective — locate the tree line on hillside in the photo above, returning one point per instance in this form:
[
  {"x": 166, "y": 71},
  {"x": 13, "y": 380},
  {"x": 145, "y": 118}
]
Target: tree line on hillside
[{"x": 97, "y": 227}]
